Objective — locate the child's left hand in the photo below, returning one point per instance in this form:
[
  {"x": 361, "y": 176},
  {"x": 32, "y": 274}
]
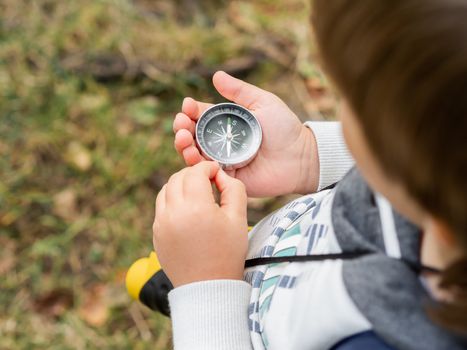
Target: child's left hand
[{"x": 195, "y": 238}]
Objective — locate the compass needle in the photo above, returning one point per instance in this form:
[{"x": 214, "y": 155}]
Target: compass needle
[{"x": 223, "y": 145}]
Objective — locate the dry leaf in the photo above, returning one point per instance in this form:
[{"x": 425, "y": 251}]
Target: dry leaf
[
  {"x": 65, "y": 204},
  {"x": 7, "y": 255},
  {"x": 124, "y": 127},
  {"x": 79, "y": 156},
  {"x": 8, "y": 218},
  {"x": 94, "y": 309},
  {"x": 54, "y": 303}
]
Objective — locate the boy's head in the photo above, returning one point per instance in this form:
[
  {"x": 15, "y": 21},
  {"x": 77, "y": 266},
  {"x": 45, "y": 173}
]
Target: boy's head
[{"x": 401, "y": 67}]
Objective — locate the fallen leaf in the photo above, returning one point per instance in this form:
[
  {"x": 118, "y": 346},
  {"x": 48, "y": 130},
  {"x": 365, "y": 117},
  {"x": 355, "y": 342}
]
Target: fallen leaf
[
  {"x": 124, "y": 127},
  {"x": 94, "y": 309},
  {"x": 65, "y": 204},
  {"x": 7, "y": 255},
  {"x": 79, "y": 156},
  {"x": 54, "y": 303},
  {"x": 8, "y": 218}
]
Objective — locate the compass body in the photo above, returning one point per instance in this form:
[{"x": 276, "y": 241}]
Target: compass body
[{"x": 229, "y": 134}]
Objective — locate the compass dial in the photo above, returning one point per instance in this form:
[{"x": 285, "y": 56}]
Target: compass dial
[{"x": 229, "y": 134}]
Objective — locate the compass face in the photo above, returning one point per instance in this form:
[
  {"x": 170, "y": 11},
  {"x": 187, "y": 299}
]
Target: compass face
[{"x": 229, "y": 134}]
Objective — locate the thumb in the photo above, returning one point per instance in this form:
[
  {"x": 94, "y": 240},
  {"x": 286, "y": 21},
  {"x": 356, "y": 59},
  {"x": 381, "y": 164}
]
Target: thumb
[
  {"x": 238, "y": 91},
  {"x": 232, "y": 192}
]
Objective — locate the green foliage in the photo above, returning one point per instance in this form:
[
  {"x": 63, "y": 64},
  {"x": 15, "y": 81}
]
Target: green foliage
[{"x": 88, "y": 91}]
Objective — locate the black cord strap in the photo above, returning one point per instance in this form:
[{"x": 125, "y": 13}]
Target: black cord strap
[
  {"x": 302, "y": 258},
  {"x": 333, "y": 256}
]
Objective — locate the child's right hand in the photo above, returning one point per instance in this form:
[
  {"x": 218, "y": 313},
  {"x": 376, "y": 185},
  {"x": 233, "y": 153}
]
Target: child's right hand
[{"x": 287, "y": 161}]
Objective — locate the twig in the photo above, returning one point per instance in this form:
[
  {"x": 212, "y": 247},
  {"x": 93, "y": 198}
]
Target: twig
[{"x": 140, "y": 322}]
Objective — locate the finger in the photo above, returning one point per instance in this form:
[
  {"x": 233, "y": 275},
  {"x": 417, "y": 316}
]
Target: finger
[
  {"x": 197, "y": 181},
  {"x": 174, "y": 190},
  {"x": 183, "y": 139},
  {"x": 182, "y": 121},
  {"x": 238, "y": 91},
  {"x": 193, "y": 109},
  {"x": 192, "y": 156},
  {"x": 160, "y": 202},
  {"x": 233, "y": 193}
]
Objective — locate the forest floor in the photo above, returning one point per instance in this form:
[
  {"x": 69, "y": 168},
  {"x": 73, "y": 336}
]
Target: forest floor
[{"x": 88, "y": 92}]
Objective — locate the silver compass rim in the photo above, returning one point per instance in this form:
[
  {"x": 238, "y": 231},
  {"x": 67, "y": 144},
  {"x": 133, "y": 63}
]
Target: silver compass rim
[{"x": 229, "y": 165}]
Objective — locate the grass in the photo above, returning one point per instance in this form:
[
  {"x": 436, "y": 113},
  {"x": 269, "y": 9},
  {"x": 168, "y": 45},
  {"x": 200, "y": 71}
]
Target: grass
[{"x": 88, "y": 90}]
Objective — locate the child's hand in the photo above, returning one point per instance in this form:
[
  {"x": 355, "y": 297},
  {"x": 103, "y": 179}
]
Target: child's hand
[
  {"x": 195, "y": 238},
  {"x": 287, "y": 161}
]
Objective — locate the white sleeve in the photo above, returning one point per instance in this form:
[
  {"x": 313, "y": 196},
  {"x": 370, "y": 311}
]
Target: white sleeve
[
  {"x": 334, "y": 157},
  {"x": 211, "y": 315}
]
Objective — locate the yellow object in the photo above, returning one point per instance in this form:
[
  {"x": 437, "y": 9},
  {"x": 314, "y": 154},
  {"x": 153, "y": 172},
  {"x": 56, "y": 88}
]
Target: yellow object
[{"x": 139, "y": 273}]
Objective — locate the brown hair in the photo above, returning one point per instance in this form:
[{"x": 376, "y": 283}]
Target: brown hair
[{"x": 402, "y": 67}]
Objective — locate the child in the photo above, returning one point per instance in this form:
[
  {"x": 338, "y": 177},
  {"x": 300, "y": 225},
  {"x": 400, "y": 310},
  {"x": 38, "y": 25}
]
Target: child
[{"x": 401, "y": 68}]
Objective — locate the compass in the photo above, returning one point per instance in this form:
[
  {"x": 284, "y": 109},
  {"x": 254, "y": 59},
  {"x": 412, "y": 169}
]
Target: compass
[{"x": 229, "y": 134}]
